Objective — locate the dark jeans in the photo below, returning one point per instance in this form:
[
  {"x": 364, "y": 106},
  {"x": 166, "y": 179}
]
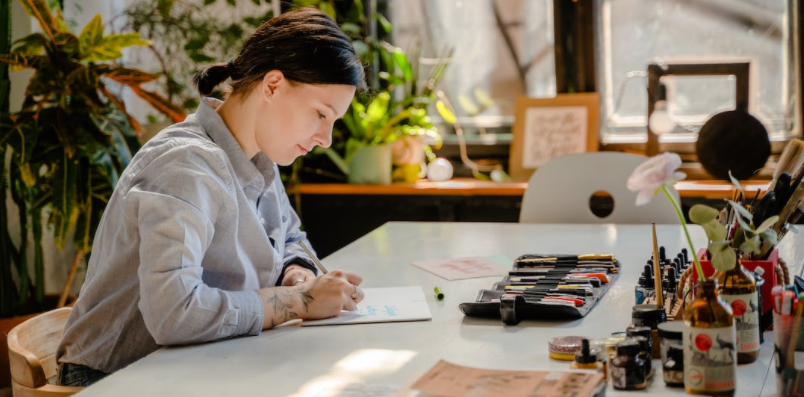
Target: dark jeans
[{"x": 78, "y": 375}]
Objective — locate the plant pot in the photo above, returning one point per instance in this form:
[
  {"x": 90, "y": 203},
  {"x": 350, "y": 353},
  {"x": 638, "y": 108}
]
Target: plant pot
[
  {"x": 371, "y": 165},
  {"x": 7, "y": 324}
]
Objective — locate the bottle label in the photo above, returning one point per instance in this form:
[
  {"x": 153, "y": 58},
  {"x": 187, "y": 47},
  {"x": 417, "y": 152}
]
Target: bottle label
[
  {"x": 710, "y": 359},
  {"x": 746, "y": 320}
]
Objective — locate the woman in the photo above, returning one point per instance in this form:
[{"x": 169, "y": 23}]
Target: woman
[{"x": 198, "y": 242}]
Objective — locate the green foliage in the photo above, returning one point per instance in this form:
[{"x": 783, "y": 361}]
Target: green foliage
[
  {"x": 70, "y": 141},
  {"x": 185, "y": 36},
  {"x": 747, "y": 238}
]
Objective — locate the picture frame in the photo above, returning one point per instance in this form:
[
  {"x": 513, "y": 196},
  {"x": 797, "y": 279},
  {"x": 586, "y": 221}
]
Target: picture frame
[{"x": 545, "y": 128}]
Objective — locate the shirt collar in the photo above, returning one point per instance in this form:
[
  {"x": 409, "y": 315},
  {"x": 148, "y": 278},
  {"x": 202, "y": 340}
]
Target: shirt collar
[{"x": 259, "y": 170}]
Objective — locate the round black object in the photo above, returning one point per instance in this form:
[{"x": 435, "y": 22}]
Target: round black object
[{"x": 733, "y": 141}]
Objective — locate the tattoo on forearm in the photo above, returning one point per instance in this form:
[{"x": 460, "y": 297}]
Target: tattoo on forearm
[{"x": 281, "y": 300}]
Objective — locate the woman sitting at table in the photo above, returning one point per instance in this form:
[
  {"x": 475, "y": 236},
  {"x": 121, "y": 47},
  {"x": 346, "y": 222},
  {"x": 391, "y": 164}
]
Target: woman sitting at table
[{"x": 199, "y": 242}]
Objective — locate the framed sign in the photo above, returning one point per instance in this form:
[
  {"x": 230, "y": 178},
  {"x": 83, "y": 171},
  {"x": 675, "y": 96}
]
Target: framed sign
[{"x": 551, "y": 127}]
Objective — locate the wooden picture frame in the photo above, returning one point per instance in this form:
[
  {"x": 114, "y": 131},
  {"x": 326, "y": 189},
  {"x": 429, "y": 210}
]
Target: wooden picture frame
[{"x": 545, "y": 128}]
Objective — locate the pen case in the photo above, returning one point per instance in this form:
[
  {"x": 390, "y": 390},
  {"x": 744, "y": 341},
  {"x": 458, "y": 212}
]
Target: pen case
[{"x": 513, "y": 306}]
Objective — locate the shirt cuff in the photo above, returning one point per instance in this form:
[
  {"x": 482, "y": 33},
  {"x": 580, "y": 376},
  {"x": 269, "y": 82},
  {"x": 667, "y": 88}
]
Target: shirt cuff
[
  {"x": 296, "y": 261},
  {"x": 250, "y": 319}
]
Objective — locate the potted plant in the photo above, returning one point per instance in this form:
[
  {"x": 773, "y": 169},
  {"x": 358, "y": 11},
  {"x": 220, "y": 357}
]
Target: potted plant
[
  {"x": 391, "y": 127},
  {"x": 67, "y": 146}
]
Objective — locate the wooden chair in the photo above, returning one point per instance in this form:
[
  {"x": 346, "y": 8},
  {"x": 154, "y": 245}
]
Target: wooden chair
[
  {"x": 559, "y": 191},
  {"x": 32, "y": 355}
]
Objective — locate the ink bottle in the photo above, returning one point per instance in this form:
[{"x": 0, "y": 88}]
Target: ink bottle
[
  {"x": 710, "y": 360},
  {"x": 673, "y": 368},
  {"x": 650, "y": 316},
  {"x": 627, "y": 369},
  {"x": 738, "y": 289},
  {"x": 584, "y": 359},
  {"x": 644, "y": 354}
]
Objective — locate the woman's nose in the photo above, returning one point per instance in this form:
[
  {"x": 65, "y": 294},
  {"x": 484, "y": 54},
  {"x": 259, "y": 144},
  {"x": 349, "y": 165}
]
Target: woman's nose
[{"x": 324, "y": 137}]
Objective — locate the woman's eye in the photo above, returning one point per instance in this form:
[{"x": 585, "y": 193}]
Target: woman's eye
[{"x": 321, "y": 116}]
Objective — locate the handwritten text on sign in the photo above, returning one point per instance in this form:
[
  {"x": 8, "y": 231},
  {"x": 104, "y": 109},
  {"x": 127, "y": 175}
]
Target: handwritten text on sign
[{"x": 553, "y": 131}]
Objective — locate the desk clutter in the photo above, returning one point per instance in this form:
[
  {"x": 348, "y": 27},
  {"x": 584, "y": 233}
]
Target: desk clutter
[{"x": 546, "y": 286}]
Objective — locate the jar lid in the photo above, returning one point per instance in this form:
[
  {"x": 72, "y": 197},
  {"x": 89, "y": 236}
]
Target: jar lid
[
  {"x": 671, "y": 330},
  {"x": 641, "y": 331},
  {"x": 649, "y": 313},
  {"x": 564, "y": 347},
  {"x": 628, "y": 347},
  {"x": 644, "y": 343}
]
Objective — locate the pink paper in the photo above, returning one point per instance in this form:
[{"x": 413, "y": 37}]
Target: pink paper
[{"x": 463, "y": 268}]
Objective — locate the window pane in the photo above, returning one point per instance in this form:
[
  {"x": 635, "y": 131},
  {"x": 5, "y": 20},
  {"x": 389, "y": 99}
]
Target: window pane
[
  {"x": 634, "y": 33},
  {"x": 482, "y": 59}
]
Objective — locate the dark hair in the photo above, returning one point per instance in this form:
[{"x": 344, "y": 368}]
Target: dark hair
[{"x": 306, "y": 45}]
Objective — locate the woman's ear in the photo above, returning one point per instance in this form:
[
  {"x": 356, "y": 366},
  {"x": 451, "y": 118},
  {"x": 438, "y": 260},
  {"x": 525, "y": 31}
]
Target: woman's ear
[{"x": 270, "y": 82}]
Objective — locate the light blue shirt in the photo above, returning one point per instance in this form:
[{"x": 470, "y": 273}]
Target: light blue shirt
[{"x": 190, "y": 233}]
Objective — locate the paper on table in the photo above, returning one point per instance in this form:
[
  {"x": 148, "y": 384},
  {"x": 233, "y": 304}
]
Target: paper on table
[
  {"x": 383, "y": 305},
  {"x": 471, "y": 267},
  {"x": 360, "y": 390},
  {"x": 451, "y": 380}
]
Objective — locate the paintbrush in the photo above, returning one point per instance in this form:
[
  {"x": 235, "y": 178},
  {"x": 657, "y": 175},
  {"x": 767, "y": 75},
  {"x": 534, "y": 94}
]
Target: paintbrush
[{"x": 657, "y": 271}]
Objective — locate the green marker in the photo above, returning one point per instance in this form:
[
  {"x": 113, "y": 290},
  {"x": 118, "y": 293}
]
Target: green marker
[{"x": 439, "y": 294}]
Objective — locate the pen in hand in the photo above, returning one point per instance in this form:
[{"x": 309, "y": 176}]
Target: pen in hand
[{"x": 313, "y": 257}]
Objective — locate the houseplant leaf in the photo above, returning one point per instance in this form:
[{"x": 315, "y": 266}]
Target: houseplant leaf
[
  {"x": 700, "y": 214},
  {"x": 42, "y": 13},
  {"x": 723, "y": 256}
]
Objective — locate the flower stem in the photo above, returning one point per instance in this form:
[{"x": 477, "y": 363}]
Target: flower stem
[{"x": 686, "y": 233}]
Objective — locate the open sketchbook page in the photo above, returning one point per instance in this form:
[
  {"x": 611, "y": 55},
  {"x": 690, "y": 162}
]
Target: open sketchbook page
[{"x": 383, "y": 305}]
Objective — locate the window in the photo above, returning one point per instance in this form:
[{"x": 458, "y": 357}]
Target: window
[
  {"x": 503, "y": 58},
  {"x": 633, "y": 33}
]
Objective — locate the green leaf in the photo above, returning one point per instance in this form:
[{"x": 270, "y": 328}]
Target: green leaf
[
  {"x": 770, "y": 236},
  {"x": 768, "y": 223},
  {"x": 483, "y": 97},
  {"x": 741, "y": 211},
  {"x": 92, "y": 34},
  {"x": 256, "y": 2},
  {"x": 208, "y": 2},
  {"x": 378, "y": 108},
  {"x": 445, "y": 113},
  {"x": 42, "y": 13},
  {"x": 351, "y": 28},
  {"x": 735, "y": 182},
  {"x": 327, "y": 8},
  {"x": 109, "y": 48},
  {"x": 232, "y": 3},
  {"x": 468, "y": 106},
  {"x": 386, "y": 25},
  {"x": 715, "y": 231},
  {"x": 750, "y": 244},
  {"x": 723, "y": 256},
  {"x": 30, "y": 45},
  {"x": 701, "y": 214},
  {"x": 401, "y": 60}
]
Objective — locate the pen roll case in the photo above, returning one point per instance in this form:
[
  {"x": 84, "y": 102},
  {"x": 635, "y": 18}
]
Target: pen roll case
[{"x": 496, "y": 303}]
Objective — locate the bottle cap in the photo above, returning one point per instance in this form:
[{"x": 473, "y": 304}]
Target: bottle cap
[
  {"x": 564, "y": 347},
  {"x": 644, "y": 343},
  {"x": 648, "y": 315},
  {"x": 671, "y": 330},
  {"x": 584, "y": 356},
  {"x": 628, "y": 347}
]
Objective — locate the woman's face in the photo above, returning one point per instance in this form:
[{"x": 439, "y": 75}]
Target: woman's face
[{"x": 298, "y": 117}]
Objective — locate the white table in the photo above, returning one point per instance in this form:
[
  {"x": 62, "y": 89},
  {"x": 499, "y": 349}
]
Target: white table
[{"x": 303, "y": 361}]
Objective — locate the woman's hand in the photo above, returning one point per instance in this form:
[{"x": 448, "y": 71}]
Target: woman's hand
[
  {"x": 316, "y": 298},
  {"x": 296, "y": 274}
]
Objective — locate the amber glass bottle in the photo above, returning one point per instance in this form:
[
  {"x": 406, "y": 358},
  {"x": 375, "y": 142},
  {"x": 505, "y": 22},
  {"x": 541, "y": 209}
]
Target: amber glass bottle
[
  {"x": 710, "y": 361},
  {"x": 738, "y": 289}
]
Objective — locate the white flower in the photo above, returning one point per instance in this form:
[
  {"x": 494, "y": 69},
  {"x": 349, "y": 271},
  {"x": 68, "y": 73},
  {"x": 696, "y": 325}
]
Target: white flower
[{"x": 654, "y": 173}]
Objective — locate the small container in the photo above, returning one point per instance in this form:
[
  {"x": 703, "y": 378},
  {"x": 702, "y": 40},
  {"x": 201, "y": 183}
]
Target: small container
[
  {"x": 673, "y": 367},
  {"x": 669, "y": 332},
  {"x": 644, "y": 354},
  {"x": 585, "y": 359},
  {"x": 600, "y": 349},
  {"x": 649, "y": 316},
  {"x": 627, "y": 369},
  {"x": 641, "y": 331},
  {"x": 564, "y": 347}
]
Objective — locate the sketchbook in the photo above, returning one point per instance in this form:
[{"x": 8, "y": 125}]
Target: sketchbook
[{"x": 383, "y": 305}]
